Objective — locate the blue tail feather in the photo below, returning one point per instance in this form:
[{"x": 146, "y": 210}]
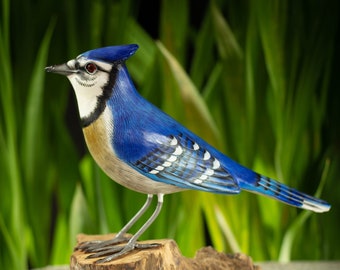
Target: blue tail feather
[{"x": 269, "y": 187}]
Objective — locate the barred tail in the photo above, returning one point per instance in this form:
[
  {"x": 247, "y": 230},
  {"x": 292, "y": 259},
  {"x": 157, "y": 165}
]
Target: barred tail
[{"x": 269, "y": 187}]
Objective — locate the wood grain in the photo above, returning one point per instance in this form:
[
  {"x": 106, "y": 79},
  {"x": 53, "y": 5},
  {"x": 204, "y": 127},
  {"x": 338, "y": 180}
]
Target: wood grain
[{"x": 167, "y": 256}]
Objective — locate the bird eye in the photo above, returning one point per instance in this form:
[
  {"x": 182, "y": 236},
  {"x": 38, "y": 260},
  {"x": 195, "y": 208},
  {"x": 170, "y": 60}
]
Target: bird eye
[{"x": 91, "y": 68}]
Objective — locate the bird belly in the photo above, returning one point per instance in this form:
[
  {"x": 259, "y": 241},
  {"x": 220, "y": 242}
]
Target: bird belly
[{"x": 97, "y": 137}]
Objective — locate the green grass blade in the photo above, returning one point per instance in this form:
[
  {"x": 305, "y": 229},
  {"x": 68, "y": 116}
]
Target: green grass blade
[
  {"x": 63, "y": 242},
  {"x": 12, "y": 217},
  {"x": 226, "y": 41},
  {"x": 203, "y": 57},
  {"x": 195, "y": 110},
  {"x": 299, "y": 222},
  {"x": 142, "y": 63},
  {"x": 32, "y": 155},
  {"x": 34, "y": 105},
  {"x": 10, "y": 256},
  {"x": 174, "y": 27},
  {"x": 227, "y": 231}
]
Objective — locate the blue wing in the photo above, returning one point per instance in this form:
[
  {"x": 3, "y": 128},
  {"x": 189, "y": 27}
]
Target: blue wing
[{"x": 179, "y": 160}]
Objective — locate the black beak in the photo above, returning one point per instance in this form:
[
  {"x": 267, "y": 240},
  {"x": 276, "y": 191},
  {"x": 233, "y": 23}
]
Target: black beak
[{"x": 62, "y": 69}]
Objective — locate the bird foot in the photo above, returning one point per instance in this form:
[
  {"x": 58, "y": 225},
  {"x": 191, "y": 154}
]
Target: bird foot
[
  {"x": 114, "y": 252},
  {"x": 111, "y": 249},
  {"x": 98, "y": 245}
]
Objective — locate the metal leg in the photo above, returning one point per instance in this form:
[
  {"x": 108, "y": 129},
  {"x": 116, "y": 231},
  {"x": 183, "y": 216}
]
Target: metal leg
[
  {"x": 132, "y": 241},
  {"x": 111, "y": 249},
  {"x": 95, "y": 246},
  {"x": 136, "y": 217},
  {"x": 112, "y": 253}
]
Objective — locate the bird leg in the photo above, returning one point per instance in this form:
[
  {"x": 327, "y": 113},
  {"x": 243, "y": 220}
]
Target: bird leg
[{"x": 115, "y": 248}]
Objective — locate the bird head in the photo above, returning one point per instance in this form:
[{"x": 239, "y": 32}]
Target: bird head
[{"x": 91, "y": 74}]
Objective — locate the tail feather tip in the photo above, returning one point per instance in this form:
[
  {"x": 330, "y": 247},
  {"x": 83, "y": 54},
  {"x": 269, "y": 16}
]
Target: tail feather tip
[{"x": 318, "y": 207}]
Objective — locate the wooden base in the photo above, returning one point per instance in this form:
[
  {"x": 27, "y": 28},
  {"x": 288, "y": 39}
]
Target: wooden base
[{"x": 167, "y": 256}]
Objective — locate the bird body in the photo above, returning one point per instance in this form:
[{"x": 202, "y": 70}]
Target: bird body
[
  {"x": 98, "y": 139},
  {"x": 144, "y": 149}
]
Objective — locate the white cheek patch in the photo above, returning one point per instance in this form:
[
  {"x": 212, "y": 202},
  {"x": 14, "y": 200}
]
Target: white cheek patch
[{"x": 88, "y": 91}]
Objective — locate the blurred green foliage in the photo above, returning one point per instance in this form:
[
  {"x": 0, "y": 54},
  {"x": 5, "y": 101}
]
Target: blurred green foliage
[{"x": 257, "y": 79}]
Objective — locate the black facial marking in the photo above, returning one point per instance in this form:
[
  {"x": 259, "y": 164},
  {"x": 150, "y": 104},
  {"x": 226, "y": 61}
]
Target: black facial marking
[{"x": 101, "y": 103}]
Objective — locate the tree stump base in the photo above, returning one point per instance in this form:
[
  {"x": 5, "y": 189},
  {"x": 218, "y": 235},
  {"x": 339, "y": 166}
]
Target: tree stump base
[{"x": 166, "y": 256}]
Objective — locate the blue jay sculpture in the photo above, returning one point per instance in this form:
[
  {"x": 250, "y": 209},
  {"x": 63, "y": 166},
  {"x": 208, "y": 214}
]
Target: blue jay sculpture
[{"x": 145, "y": 150}]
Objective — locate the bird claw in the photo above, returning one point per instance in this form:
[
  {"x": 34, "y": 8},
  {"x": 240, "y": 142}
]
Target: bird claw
[
  {"x": 118, "y": 252},
  {"x": 97, "y": 245},
  {"x": 110, "y": 252},
  {"x": 111, "y": 249}
]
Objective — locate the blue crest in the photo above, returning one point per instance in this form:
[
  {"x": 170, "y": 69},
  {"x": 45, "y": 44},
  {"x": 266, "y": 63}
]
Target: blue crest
[{"x": 112, "y": 53}]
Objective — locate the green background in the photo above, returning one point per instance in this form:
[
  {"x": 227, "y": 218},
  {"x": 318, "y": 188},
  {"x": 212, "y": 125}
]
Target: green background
[{"x": 257, "y": 79}]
